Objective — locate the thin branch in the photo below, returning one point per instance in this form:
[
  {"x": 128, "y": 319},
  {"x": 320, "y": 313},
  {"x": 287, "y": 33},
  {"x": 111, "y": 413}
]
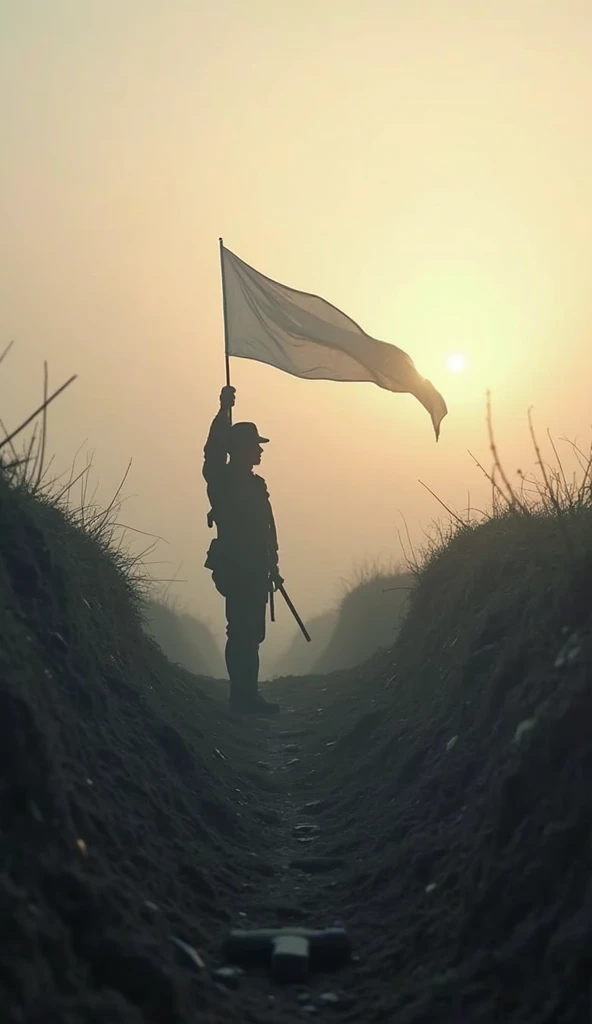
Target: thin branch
[
  {"x": 512, "y": 500},
  {"x": 443, "y": 504},
  {"x": 33, "y": 415},
  {"x": 71, "y": 483},
  {"x": 43, "y": 426},
  {"x": 12, "y": 448},
  {"x": 30, "y": 457},
  {"x": 6, "y": 351},
  {"x": 118, "y": 492}
]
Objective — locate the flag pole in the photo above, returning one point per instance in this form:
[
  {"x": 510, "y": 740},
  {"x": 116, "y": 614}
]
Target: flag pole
[{"x": 225, "y": 318}]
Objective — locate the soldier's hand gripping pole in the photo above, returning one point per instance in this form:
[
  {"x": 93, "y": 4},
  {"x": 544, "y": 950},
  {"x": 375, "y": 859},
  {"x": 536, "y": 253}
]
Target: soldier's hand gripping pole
[{"x": 303, "y": 628}]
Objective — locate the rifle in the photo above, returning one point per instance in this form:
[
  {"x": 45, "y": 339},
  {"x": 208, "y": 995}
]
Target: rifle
[{"x": 282, "y": 591}]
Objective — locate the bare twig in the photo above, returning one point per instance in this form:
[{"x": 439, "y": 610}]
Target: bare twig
[
  {"x": 511, "y": 497},
  {"x": 443, "y": 504},
  {"x": 6, "y": 351},
  {"x": 71, "y": 483},
  {"x": 103, "y": 515},
  {"x": 43, "y": 426},
  {"x": 31, "y": 458},
  {"x": 33, "y": 415},
  {"x": 12, "y": 448}
]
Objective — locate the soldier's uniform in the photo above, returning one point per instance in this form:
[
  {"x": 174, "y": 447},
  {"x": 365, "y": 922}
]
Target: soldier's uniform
[{"x": 242, "y": 556}]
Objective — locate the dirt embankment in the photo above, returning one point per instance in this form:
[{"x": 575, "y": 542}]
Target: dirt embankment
[{"x": 444, "y": 786}]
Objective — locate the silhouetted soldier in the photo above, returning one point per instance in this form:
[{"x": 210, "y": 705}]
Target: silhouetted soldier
[{"x": 244, "y": 556}]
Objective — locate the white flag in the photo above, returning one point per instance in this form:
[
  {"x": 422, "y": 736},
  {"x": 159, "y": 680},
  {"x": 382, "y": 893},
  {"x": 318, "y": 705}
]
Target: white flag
[{"x": 308, "y": 337}]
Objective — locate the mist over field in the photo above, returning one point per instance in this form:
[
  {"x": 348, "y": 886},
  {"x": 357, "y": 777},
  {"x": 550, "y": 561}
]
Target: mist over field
[{"x": 397, "y": 825}]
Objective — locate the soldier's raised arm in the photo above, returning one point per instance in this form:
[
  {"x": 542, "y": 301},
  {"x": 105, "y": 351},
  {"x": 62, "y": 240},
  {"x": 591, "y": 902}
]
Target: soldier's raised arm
[{"x": 217, "y": 444}]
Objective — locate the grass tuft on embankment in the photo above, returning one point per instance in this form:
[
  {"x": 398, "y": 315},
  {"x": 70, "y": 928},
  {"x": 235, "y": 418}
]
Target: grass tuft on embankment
[
  {"x": 118, "y": 776},
  {"x": 462, "y": 768}
]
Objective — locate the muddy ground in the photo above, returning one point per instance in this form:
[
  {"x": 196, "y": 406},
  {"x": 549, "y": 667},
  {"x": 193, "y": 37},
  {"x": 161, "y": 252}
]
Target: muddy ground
[
  {"x": 451, "y": 834},
  {"x": 435, "y": 801}
]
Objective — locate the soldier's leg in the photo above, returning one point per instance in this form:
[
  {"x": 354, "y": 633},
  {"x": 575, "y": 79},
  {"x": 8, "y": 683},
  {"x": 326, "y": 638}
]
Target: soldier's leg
[
  {"x": 245, "y": 614},
  {"x": 255, "y": 625},
  {"x": 243, "y": 631}
]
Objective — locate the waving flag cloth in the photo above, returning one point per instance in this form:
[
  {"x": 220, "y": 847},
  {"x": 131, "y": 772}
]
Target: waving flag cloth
[{"x": 308, "y": 337}]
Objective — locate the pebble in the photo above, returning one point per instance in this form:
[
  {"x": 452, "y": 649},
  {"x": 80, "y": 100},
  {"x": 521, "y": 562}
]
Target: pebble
[
  {"x": 329, "y": 998},
  {"x": 525, "y": 727},
  {"x": 229, "y": 976},
  {"x": 58, "y": 641},
  {"x": 291, "y": 748},
  {"x": 451, "y": 742},
  {"x": 189, "y": 952}
]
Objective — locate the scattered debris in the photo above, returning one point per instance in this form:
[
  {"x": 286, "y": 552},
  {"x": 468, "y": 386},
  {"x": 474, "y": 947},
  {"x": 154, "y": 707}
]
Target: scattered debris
[
  {"x": 58, "y": 641},
  {"x": 229, "y": 976},
  {"x": 569, "y": 652},
  {"x": 431, "y": 887},
  {"x": 329, "y": 998},
  {"x": 290, "y": 958},
  {"x": 189, "y": 952},
  {"x": 525, "y": 727},
  {"x": 451, "y": 743},
  {"x": 80, "y": 843}
]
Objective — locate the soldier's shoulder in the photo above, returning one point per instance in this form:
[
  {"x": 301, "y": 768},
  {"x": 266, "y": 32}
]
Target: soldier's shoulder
[{"x": 260, "y": 482}]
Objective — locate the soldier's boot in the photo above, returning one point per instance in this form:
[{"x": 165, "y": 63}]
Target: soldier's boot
[{"x": 244, "y": 694}]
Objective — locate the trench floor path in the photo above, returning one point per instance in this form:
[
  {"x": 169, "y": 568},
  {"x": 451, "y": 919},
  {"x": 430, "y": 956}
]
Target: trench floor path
[{"x": 299, "y": 886}]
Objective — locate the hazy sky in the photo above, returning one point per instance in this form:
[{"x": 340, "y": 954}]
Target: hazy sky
[{"x": 425, "y": 166}]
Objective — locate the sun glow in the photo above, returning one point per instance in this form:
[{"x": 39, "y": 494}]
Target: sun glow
[{"x": 456, "y": 362}]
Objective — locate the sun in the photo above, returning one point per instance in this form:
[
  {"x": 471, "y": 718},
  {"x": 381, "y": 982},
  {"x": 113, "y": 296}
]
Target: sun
[{"x": 456, "y": 362}]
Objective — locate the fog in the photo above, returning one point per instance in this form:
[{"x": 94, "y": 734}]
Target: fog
[{"x": 426, "y": 167}]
